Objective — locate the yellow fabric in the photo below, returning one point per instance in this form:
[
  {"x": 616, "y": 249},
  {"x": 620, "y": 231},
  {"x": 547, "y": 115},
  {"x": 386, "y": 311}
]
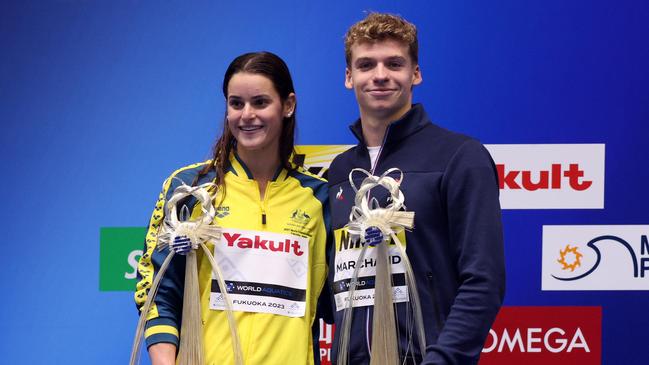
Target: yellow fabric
[
  {"x": 160, "y": 329},
  {"x": 265, "y": 338},
  {"x": 145, "y": 268}
]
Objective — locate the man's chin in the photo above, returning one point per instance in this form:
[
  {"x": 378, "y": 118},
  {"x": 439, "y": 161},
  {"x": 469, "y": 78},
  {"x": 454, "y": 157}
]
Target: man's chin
[
  {"x": 386, "y": 110},
  {"x": 381, "y": 107}
]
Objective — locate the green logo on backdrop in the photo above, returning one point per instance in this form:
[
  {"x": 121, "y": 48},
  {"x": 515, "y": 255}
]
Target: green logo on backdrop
[{"x": 120, "y": 248}]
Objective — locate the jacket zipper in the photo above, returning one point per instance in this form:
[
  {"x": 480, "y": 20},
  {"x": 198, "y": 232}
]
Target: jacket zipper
[
  {"x": 372, "y": 169},
  {"x": 263, "y": 205},
  {"x": 262, "y": 201}
]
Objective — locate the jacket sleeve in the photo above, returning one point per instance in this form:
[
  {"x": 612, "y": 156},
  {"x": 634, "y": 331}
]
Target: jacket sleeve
[
  {"x": 325, "y": 308},
  {"x": 163, "y": 320},
  {"x": 475, "y": 231},
  {"x": 322, "y": 241}
]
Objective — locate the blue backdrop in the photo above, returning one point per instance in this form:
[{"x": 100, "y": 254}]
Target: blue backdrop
[{"x": 101, "y": 100}]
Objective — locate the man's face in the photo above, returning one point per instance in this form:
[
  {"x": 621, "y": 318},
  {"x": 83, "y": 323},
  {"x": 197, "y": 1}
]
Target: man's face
[{"x": 382, "y": 75}]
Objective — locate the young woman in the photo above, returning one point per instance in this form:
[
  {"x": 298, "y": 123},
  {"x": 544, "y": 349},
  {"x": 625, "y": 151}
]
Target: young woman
[{"x": 273, "y": 219}]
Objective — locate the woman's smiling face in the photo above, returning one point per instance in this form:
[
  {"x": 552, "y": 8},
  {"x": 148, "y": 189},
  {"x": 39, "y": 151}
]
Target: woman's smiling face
[{"x": 255, "y": 113}]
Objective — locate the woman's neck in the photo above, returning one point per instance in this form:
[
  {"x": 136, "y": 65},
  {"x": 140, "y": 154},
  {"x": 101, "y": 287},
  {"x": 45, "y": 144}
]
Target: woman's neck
[{"x": 262, "y": 166}]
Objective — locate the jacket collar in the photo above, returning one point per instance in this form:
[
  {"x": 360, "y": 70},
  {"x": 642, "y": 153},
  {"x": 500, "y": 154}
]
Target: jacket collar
[
  {"x": 239, "y": 168},
  {"x": 414, "y": 119}
]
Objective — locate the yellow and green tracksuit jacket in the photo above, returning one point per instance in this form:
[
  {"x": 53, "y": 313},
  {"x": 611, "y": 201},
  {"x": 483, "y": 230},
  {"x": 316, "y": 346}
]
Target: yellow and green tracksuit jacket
[{"x": 295, "y": 203}]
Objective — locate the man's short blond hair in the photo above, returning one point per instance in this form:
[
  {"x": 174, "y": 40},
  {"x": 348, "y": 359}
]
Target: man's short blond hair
[{"x": 381, "y": 26}]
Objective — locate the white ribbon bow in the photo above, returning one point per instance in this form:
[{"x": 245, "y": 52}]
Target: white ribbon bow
[
  {"x": 367, "y": 213},
  {"x": 198, "y": 230}
]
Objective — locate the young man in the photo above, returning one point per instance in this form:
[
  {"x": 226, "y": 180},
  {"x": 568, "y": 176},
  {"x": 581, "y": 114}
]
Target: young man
[{"x": 449, "y": 181}]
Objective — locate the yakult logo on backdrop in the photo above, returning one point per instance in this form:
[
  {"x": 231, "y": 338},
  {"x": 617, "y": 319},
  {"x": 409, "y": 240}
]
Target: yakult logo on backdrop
[
  {"x": 596, "y": 257},
  {"x": 326, "y": 340},
  {"x": 550, "y": 176},
  {"x": 544, "y": 335}
]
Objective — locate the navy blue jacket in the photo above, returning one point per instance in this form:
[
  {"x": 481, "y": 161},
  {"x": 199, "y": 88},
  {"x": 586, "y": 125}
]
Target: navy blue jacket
[{"x": 456, "y": 246}]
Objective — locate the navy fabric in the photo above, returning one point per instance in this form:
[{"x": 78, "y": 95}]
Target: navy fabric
[{"x": 456, "y": 246}]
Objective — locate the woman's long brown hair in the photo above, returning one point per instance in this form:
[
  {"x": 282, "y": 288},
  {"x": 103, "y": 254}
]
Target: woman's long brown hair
[{"x": 274, "y": 68}]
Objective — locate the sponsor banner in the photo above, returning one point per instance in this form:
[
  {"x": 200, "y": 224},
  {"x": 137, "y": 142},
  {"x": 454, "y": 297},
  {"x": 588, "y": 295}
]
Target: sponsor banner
[
  {"x": 244, "y": 258},
  {"x": 120, "y": 248},
  {"x": 326, "y": 341},
  {"x": 528, "y": 335},
  {"x": 545, "y": 335},
  {"x": 317, "y": 158},
  {"x": 550, "y": 176},
  {"x": 347, "y": 254},
  {"x": 613, "y": 257}
]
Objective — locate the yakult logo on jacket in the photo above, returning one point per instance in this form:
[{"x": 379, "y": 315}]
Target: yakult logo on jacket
[
  {"x": 263, "y": 241},
  {"x": 596, "y": 257},
  {"x": 550, "y": 176},
  {"x": 544, "y": 335}
]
